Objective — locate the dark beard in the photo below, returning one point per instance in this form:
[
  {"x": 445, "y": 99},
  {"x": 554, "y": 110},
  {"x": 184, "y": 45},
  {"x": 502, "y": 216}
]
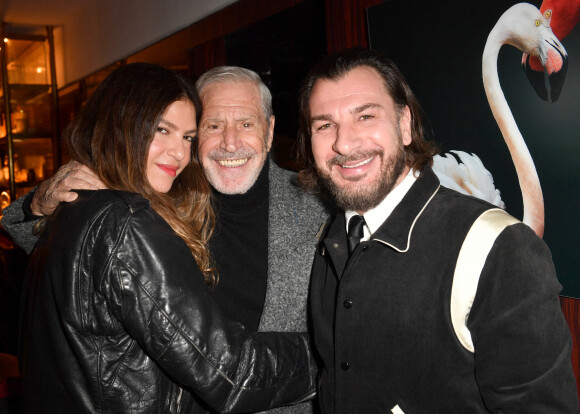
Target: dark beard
[{"x": 363, "y": 199}]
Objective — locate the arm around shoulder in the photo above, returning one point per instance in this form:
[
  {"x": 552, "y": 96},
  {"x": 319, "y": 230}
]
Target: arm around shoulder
[
  {"x": 19, "y": 222},
  {"x": 166, "y": 306}
]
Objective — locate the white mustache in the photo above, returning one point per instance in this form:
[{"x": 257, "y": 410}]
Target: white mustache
[{"x": 221, "y": 154}]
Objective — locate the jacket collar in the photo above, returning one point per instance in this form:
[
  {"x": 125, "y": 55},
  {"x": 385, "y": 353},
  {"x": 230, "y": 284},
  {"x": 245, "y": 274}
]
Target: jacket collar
[{"x": 396, "y": 232}]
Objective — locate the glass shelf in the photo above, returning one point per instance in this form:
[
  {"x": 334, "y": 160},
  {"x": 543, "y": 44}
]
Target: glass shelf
[
  {"x": 30, "y": 108},
  {"x": 27, "y": 149},
  {"x": 28, "y": 62},
  {"x": 32, "y": 162}
]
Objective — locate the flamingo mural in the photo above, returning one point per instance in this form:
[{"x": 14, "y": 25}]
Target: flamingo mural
[
  {"x": 526, "y": 28},
  {"x": 440, "y": 52}
]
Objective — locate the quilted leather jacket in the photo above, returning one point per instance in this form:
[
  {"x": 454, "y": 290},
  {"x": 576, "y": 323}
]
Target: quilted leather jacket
[{"x": 119, "y": 319}]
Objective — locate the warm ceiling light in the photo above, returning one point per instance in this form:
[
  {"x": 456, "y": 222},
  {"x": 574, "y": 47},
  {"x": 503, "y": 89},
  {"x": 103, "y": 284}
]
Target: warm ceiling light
[
  {"x": 5, "y": 40},
  {"x": 39, "y": 69}
]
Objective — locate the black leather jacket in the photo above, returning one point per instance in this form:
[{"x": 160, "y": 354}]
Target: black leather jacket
[{"x": 119, "y": 319}]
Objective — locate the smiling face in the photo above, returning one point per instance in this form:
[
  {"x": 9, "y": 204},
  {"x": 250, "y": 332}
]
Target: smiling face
[
  {"x": 170, "y": 149},
  {"x": 358, "y": 138},
  {"x": 234, "y": 136}
]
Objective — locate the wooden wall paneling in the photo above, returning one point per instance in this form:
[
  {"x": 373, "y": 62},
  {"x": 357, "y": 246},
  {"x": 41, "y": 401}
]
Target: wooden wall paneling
[
  {"x": 346, "y": 24},
  {"x": 571, "y": 310},
  {"x": 228, "y": 20},
  {"x": 207, "y": 55}
]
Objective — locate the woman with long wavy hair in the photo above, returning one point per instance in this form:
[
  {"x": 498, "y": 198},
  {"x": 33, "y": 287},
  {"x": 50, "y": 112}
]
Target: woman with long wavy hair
[{"x": 118, "y": 316}]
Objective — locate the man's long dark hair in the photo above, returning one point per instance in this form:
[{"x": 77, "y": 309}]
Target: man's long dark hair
[{"x": 419, "y": 152}]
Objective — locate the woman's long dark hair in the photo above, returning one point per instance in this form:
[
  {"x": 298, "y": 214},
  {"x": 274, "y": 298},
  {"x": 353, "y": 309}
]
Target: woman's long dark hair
[{"x": 112, "y": 135}]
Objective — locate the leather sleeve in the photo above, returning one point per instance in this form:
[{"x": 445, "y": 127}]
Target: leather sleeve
[
  {"x": 157, "y": 292},
  {"x": 522, "y": 342}
]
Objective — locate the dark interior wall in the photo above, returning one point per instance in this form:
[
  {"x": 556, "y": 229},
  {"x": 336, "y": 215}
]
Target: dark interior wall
[{"x": 281, "y": 49}]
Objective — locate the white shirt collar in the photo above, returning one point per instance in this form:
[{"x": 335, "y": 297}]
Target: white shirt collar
[{"x": 376, "y": 216}]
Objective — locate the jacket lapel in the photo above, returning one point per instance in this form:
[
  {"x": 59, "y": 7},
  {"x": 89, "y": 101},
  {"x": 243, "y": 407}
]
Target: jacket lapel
[
  {"x": 396, "y": 232},
  {"x": 334, "y": 244}
]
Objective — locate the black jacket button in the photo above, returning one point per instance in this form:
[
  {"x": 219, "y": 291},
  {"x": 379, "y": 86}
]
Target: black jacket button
[
  {"x": 345, "y": 366},
  {"x": 347, "y": 304}
]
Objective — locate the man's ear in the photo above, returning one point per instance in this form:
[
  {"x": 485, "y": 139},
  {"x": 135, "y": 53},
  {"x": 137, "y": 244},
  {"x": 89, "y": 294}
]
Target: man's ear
[
  {"x": 270, "y": 133},
  {"x": 405, "y": 126}
]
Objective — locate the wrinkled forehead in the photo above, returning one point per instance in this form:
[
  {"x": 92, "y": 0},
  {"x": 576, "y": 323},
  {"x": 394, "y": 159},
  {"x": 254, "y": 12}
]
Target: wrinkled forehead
[{"x": 231, "y": 94}]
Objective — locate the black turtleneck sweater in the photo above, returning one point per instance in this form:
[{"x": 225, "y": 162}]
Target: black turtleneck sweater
[{"x": 239, "y": 247}]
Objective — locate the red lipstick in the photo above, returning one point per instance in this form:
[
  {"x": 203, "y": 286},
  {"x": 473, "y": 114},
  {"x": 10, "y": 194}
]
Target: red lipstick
[{"x": 169, "y": 169}]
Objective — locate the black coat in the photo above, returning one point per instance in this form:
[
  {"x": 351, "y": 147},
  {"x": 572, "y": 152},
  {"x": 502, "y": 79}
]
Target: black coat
[
  {"x": 119, "y": 319},
  {"x": 382, "y": 321}
]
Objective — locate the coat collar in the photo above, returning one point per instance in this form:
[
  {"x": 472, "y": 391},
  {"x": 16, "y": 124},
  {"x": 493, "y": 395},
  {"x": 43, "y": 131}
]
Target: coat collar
[{"x": 396, "y": 232}]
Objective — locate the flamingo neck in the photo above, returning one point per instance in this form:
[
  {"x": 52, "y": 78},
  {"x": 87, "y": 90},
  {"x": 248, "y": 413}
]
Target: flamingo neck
[{"x": 527, "y": 175}]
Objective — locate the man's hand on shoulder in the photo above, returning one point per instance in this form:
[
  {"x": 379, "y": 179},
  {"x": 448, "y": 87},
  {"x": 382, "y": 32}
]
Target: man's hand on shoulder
[{"x": 57, "y": 189}]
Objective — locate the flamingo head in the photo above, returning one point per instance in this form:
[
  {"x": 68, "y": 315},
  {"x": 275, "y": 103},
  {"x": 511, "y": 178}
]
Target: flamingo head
[
  {"x": 543, "y": 55},
  {"x": 565, "y": 14}
]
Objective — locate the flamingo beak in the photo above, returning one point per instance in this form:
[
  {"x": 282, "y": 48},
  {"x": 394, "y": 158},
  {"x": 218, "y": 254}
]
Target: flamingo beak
[
  {"x": 551, "y": 62},
  {"x": 556, "y": 68},
  {"x": 535, "y": 74}
]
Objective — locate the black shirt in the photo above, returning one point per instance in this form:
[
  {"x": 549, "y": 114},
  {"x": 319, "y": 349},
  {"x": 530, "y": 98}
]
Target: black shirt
[{"x": 239, "y": 247}]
